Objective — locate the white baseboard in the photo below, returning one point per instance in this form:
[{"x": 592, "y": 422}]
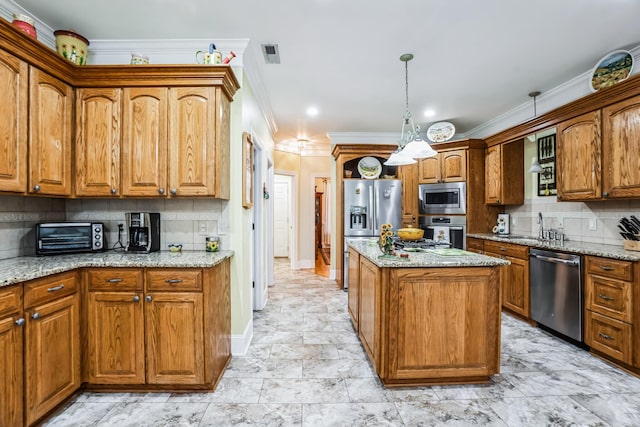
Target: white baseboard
[
  {"x": 332, "y": 274},
  {"x": 240, "y": 343},
  {"x": 306, "y": 263}
]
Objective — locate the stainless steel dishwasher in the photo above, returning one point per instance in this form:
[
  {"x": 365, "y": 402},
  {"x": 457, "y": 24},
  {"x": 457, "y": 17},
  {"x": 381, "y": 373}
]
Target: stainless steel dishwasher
[{"x": 556, "y": 291}]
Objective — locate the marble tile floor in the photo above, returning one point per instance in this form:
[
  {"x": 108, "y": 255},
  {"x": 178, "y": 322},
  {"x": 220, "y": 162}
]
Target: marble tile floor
[{"x": 306, "y": 367}]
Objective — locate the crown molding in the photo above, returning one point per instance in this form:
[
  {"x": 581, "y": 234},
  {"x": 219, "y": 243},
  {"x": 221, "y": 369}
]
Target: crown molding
[{"x": 560, "y": 95}]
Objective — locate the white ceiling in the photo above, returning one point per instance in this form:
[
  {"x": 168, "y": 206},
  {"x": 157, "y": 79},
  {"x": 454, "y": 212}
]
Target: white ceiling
[{"x": 474, "y": 60}]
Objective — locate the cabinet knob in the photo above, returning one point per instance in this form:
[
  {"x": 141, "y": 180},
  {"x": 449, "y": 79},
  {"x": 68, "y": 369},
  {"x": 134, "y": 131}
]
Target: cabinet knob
[
  {"x": 605, "y": 194},
  {"x": 161, "y": 190},
  {"x": 148, "y": 298},
  {"x": 36, "y": 187},
  {"x": 136, "y": 298},
  {"x": 113, "y": 190},
  {"x": 20, "y": 321},
  {"x": 35, "y": 316},
  {"x": 498, "y": 201},
  {"x": 173, "y": 191}
]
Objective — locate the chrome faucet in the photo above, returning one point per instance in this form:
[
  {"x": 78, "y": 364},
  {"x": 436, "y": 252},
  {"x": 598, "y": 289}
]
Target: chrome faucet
[{"x": 540, "y": 227}]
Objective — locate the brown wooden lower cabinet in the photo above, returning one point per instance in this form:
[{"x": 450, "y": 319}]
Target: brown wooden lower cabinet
[
  {"x": 158, "y": 326},
  {"x": 430, "y": 325},
  {"x": 514, "y": 277},
  {"x": 52, "y": 344},
  {"x": 11, "y": 356},
  {"x": 353, "y": 285}
]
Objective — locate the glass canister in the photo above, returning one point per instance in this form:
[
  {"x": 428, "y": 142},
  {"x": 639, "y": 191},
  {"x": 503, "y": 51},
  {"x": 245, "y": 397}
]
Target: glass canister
[{"x": 213, "y": 243}]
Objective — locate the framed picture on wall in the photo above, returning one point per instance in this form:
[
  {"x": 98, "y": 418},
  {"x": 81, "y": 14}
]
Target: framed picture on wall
[
  {"x": 547, "y": 161},
  {"x": 247, "y": 170}
]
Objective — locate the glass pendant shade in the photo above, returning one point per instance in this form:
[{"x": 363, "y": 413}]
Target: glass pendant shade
[
  {"x": 418, "y": 149},
  {"x": 397, "y": 158},
  {"x": 535, "y": 167}
]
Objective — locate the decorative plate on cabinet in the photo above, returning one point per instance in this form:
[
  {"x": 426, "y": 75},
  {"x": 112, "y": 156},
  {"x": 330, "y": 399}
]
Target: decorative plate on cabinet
[
  {"x": 441, "y": 131},
  {"x": 369, "y": 167},
  {"x": 613, "y": 68}
]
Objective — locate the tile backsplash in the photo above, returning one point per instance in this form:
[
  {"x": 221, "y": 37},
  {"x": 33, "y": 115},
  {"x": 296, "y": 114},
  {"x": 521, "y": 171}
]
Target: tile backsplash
[
  {"x": 576, "y": 219},
  {"x": 185, "y": 221}
]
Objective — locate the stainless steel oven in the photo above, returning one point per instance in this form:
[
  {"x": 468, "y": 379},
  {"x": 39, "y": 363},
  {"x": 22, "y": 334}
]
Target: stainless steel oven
[
  {"x": 449, "y": 229},
  {"x": 449, "y": 198}
]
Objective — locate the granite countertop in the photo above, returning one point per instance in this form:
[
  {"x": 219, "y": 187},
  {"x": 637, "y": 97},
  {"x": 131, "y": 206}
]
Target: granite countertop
[
  {"x": 21, "y": 269},
  {"x": 429, "y": 258},
  {"x": 581, "y": 248}
]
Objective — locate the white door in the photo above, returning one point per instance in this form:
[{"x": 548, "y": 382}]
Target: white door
[{"x": 281, "y": 220}]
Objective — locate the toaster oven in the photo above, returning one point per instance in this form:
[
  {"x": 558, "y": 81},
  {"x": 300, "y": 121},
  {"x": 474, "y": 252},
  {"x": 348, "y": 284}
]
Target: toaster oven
[{"x": 69, "y": 237}]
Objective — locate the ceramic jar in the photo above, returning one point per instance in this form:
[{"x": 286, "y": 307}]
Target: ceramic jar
[
  {"x": 24, "y": 23},
  {"x": 72, "y": 46},
  {"x": 213, "y": 244}
]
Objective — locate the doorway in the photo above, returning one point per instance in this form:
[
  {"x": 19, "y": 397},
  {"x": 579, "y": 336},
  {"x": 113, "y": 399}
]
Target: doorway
[
  {"x": 322, "y": 222},
  {"x": 284, "y": 220}
]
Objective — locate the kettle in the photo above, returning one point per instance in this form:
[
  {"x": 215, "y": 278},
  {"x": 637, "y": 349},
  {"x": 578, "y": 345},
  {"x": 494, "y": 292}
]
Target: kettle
[{"x": 212, "y": 57}]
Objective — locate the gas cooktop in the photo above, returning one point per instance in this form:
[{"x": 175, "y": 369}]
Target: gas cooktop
[{"x": 421, "y": 244}]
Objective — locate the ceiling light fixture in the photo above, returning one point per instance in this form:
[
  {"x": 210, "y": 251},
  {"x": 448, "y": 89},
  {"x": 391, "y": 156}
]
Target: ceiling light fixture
[
  {"x": 312, "y": 111},
  {"x": 535, "y": 165},
  {"x": 302, "y": 144},
  {"x": 410, "y": 145},
  {"x": 429, "y": 113}
]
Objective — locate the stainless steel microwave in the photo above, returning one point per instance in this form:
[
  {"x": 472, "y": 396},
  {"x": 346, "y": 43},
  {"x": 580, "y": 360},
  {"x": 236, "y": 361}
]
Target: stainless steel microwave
[
  {"x": 69, "y": 237},
  {"x": 447, "y": 198}
]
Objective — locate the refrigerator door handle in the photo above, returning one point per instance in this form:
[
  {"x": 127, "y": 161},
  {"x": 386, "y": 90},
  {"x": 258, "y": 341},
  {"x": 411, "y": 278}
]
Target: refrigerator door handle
[{"x": 374, "y": 211}]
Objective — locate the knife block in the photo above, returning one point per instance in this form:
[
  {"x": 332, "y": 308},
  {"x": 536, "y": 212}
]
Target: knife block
[{"x": 632, "y": 245}]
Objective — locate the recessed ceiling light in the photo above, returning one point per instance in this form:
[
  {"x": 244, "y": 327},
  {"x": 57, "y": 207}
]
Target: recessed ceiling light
[
  {"x": 429, "y": 113},
  {"x": 312, "y": 111}
]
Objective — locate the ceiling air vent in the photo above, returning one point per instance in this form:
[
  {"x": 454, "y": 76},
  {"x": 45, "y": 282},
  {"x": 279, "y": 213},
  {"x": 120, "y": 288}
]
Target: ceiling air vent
[{"x": 271, "y": 54}]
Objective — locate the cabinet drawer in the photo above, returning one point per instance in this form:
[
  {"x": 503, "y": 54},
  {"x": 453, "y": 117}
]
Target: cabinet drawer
[
  {"x": 608, "y": 267},
  {"x": 10, "y": 300},
  {"x": 179, "y": 280},
  {"x": 509, "y": 249},
  {"x": 473, "y": 243},
  {"x": 608, "y": 336},
  {"x": 609, "y": 297},
  {"x": 49, "y": 288},
  {"x": 115, "y": 279}
]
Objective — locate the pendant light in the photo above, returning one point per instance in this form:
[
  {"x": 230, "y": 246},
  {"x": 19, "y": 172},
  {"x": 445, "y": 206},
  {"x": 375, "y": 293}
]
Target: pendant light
[
  {"x": 535, "y": 166},
  {"x": 410, "y": 145}
]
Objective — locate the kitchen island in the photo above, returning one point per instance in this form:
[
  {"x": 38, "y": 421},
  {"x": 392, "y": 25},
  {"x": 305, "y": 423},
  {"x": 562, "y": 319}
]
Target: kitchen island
[{"x": 431, "y": 318}]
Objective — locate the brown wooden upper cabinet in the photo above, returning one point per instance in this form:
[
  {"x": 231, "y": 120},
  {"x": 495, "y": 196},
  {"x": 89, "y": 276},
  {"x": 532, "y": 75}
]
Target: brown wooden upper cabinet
[
  {"x": 578, "y": 158},
  {"x": 621, "y": 144},
  {"x": 98, "y": 140},
  {"x": 14, "y": 87},
  {"x": 409, "y": 176},
  {"x": 163, "y": 141},
  {"x": 447, "y": 166},
  {"x": 595, "y": 153},
  {"x": 50, "y": 129},
  {"x": 504, "y": 174},
  {"x": 144, "y": 152}
]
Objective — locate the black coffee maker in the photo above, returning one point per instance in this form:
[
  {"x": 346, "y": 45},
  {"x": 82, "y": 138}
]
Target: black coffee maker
[{"x": 144, "y": 231}]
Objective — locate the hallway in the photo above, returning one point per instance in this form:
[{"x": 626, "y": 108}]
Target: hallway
[{"x": 306, "y": 367}]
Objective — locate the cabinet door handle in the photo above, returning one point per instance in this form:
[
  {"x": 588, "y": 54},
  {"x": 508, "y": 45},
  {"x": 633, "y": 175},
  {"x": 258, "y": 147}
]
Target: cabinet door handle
[
  {"x": 161, "y": 190},
  {"x": 605, "y": 194},
  {"x": 148, "y": 298},
  {"x": 502, "y": 248},
  {"x": 55, "y": 288},
  {"x": 114, "y": 280},
  {"x": 36, "y": 188},
  {"x": 113, "y": 190},
  {"x": 20, "y": 321},
  {"x": 606, "y": 268},
  {"x": 606, "y": 337},
  {"x": 35, "y": 316},
  {"x": 173, "y": 280},
  {"x": 173, "y": 191},
  {"x": 606, "y": 298},
  {"x": 136, "y": 298}
]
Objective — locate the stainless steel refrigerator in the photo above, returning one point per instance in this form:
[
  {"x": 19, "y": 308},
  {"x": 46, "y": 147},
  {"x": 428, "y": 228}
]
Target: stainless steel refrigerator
[{"x": 367, "y": 205}]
